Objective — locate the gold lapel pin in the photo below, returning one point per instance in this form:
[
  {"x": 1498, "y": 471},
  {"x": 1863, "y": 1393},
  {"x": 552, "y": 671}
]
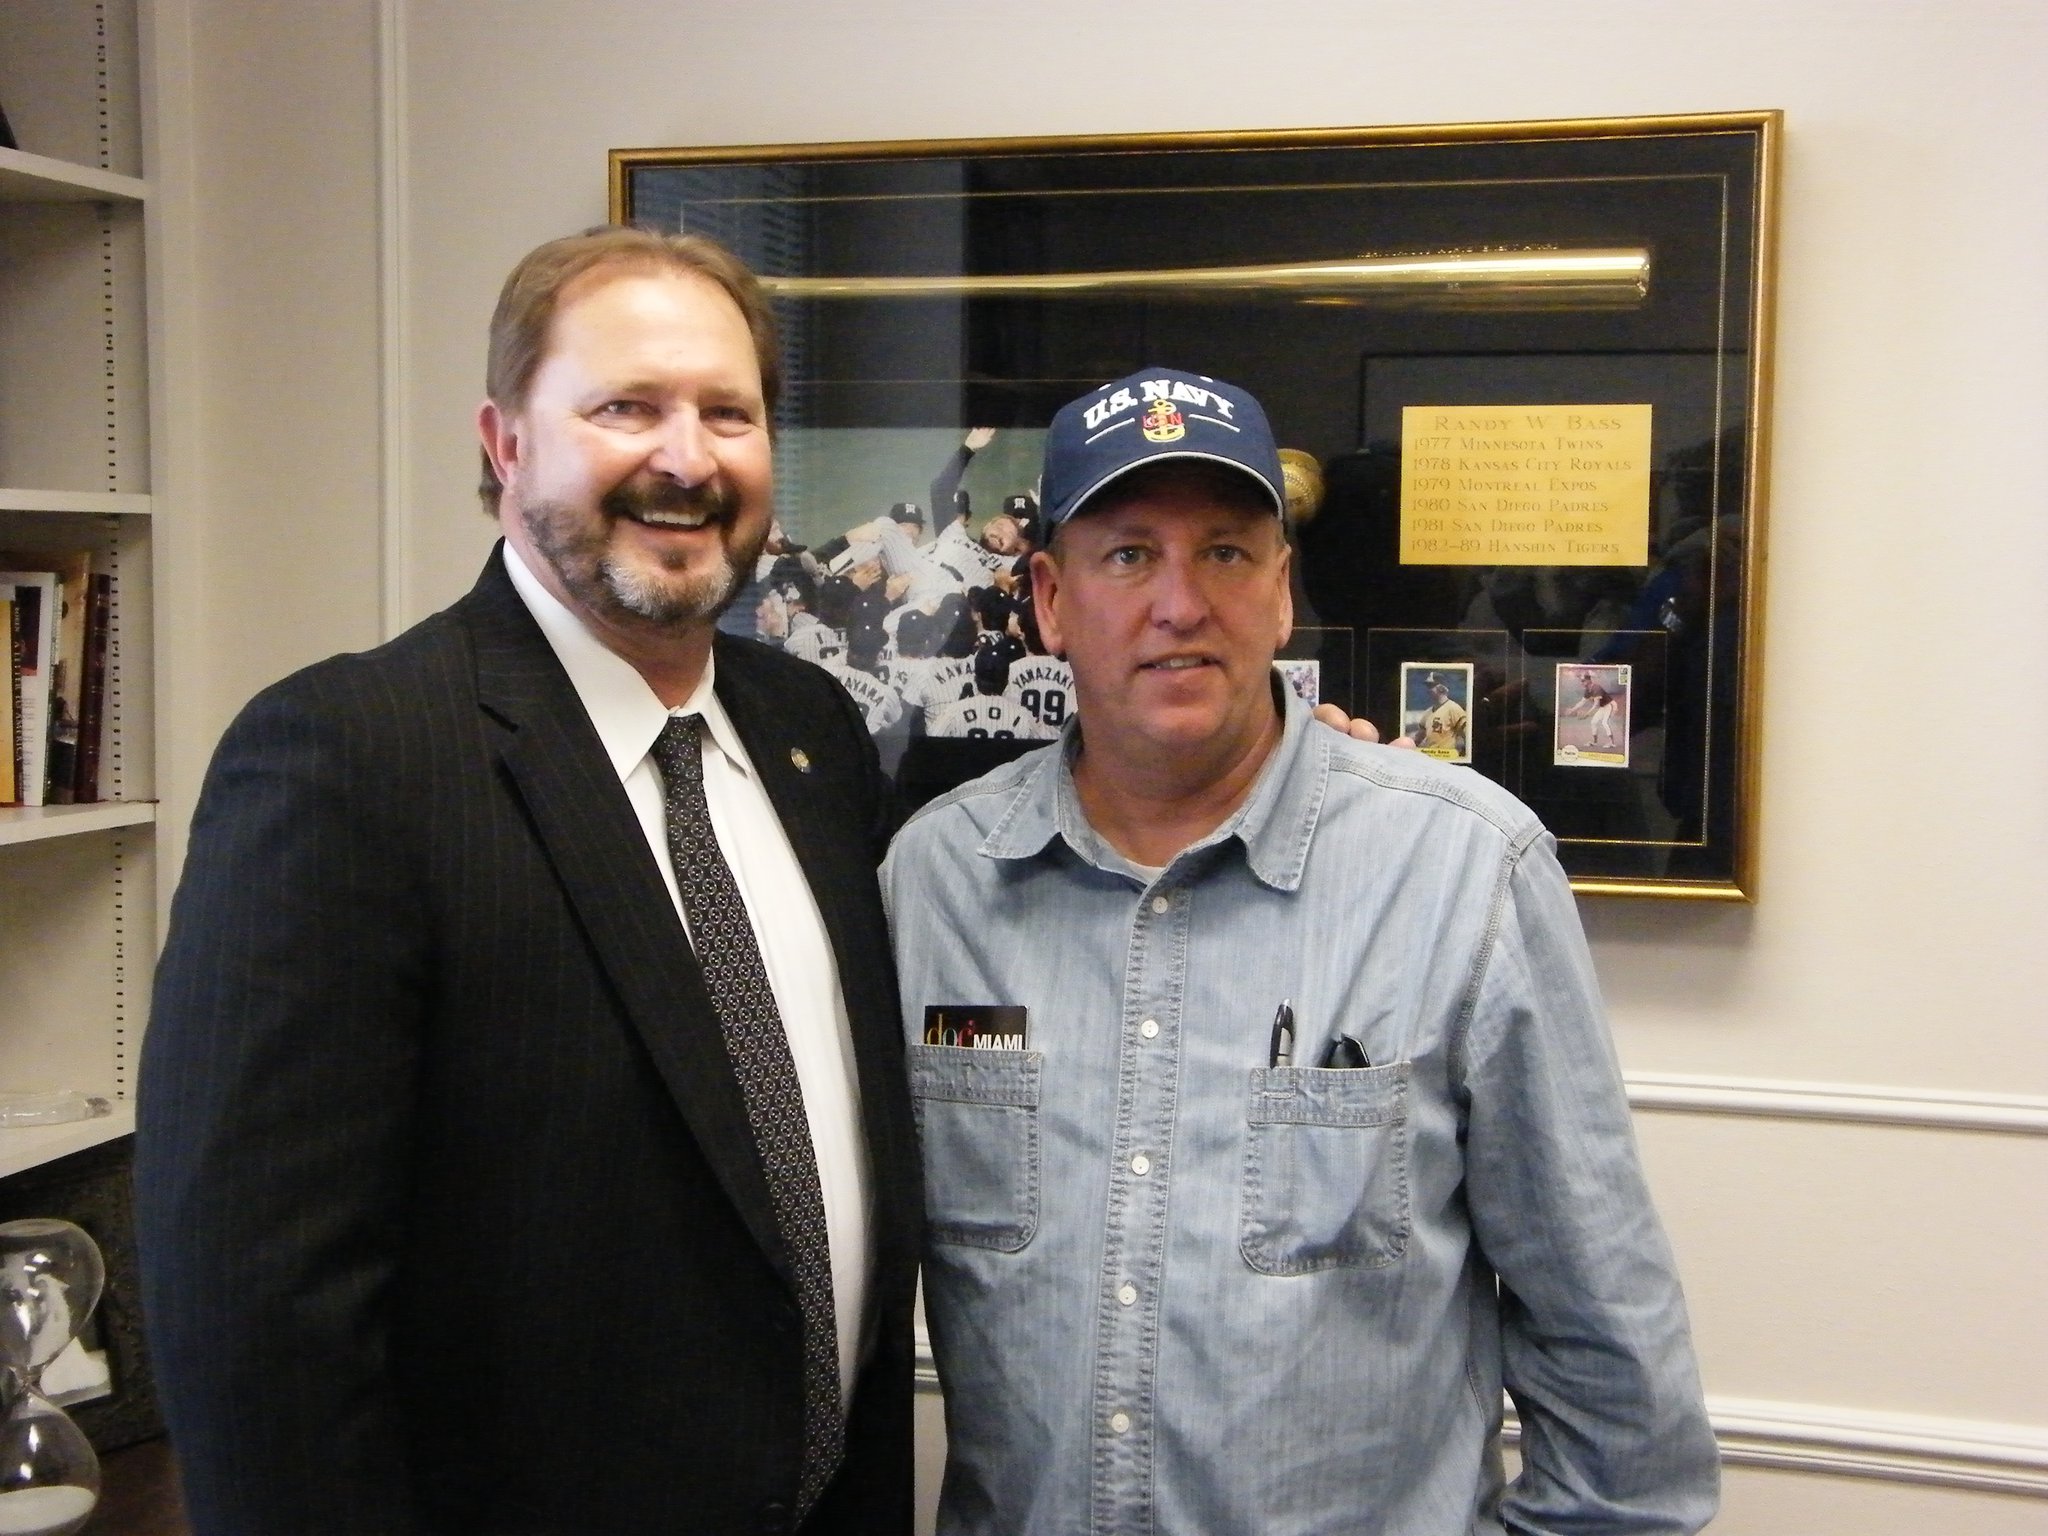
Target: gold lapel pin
[{"x": 801, "y": 758}]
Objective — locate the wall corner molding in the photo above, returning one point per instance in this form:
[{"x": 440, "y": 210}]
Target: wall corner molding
[{"x": 394, "y": 336}]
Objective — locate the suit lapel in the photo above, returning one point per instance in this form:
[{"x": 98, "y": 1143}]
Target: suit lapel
[
  {"x": 776, "y": 743},
  {"x": 559, "y": 769},
  {"x": 777, "y": 739}
]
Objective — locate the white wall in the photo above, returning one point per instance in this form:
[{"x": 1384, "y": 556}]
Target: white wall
[
  {"x": 1863, "y": 1264},
  {"x": 265, "y": 236}
]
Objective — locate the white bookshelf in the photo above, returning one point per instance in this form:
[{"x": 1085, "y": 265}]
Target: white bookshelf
[
  {"x": 31, "y": 824},
  {"x": 27, "y": 1146},
  {"x": 78, "y": 901},
  {"x": 76, "y": 503},
  {"x": 27, "y": 178}
]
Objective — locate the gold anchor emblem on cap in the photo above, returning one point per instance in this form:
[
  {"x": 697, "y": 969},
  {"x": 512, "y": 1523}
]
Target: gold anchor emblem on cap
[{"x": 801, "y": 758}]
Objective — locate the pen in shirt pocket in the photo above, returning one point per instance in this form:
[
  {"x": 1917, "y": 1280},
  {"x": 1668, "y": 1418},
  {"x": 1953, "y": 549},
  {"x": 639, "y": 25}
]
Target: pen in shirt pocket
[
  {"x": 1280, "y": 1052},
  {"x": 1341, "y": 1053}
]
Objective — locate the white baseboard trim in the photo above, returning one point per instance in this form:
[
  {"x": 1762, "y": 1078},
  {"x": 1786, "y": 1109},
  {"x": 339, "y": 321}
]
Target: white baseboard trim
[
  {"x": 1836, "y": 1442},
  {"x": 1776, "y": 1099},
  {"x": 1900, "y": 1448}
]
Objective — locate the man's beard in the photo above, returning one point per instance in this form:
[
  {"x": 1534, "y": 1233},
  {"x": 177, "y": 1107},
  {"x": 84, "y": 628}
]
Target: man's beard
[{"x": 578, "y": 549}]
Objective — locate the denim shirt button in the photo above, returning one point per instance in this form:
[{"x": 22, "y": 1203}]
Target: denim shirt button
[
  {"x": 1160, "y": 904},
  {"x": 1120, "y": 1422},
  {"x": 1127, "y": 1293},
  {"x": 1149, "y": 1029},
  {"x": 1141, "y": 1165}
]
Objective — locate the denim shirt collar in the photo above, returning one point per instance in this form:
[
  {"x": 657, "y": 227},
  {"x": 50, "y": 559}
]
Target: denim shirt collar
[{"x": 1274, "y": 826}]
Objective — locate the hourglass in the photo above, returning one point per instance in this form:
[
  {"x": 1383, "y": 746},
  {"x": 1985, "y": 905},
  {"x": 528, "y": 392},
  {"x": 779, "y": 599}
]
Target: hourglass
[{"x": 50, "y": 1279}]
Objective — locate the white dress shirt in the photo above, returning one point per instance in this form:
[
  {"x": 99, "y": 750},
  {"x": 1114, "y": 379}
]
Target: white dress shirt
[{"x": 795, "y": 948}]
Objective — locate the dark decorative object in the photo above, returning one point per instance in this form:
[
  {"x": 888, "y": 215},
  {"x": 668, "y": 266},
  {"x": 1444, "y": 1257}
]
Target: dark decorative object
[
  {"x": 51, "y": 1275},
  {"x": 91, "y": 1188}
]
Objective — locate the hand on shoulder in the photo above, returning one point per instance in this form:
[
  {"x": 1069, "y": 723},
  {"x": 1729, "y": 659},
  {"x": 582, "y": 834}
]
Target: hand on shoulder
[{"x": 1358, "y": 728}]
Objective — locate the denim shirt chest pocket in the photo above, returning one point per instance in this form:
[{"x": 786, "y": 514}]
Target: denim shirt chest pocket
[
  {"x": 977, "y": 1125},
  {"x": 1325, "y": 1169}
]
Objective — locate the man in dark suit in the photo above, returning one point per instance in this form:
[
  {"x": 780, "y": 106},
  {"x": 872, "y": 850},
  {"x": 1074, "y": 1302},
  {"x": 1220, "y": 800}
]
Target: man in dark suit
[{"x": 503, "y": 1166}]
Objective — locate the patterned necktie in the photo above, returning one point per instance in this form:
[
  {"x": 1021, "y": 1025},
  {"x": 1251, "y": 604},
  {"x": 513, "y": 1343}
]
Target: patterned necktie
[{"x": 723, "y": 938}]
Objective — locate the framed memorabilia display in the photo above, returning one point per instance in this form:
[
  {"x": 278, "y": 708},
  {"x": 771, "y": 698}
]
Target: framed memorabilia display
[{"x": 1527, "y": 364}]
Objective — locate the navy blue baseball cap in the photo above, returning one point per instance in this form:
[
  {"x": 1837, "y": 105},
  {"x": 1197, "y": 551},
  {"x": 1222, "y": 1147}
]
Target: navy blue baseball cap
[{"x": 1155, "y": 414}]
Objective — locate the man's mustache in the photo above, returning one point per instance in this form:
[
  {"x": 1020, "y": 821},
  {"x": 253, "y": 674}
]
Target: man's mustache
[{"x": 635, "y": 500}]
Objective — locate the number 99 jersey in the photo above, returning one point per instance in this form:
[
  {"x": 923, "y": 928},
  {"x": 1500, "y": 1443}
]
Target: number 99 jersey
[{"x": 1043, "y": 687}]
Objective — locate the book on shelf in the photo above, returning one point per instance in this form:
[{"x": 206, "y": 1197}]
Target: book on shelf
[
  {"x": 10, "y": 703},
  {"x": 35, "y": 615},
  {"x": 72, "y": 573},
  {"x": 92, "y": 698}
]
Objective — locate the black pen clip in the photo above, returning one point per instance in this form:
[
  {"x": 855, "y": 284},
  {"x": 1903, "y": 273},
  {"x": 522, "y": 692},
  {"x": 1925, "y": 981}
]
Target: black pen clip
[
  {"x": 1345, "y": 1053},
  {"x": 1281, "y": 1052}
]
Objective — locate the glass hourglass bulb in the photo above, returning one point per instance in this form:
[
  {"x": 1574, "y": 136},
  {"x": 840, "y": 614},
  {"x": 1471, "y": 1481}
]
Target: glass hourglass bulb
[{"x": 51, "y": 1274}]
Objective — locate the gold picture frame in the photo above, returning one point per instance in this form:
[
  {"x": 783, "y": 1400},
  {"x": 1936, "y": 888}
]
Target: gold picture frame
[{"x": 1351, "y": 278}]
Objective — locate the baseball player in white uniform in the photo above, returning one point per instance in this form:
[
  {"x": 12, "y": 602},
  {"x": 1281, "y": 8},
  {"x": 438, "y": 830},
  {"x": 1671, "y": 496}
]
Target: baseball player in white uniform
[
  {"x": 1043, "y": 686},
  {"x": 986, "y": 712}
]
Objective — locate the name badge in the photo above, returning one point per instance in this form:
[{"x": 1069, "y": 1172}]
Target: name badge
[{"x": 977, "y": 1026}]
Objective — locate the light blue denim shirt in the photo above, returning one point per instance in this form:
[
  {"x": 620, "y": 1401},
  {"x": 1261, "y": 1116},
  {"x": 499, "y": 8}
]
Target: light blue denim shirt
[{"x": 1175, "y": 1289}]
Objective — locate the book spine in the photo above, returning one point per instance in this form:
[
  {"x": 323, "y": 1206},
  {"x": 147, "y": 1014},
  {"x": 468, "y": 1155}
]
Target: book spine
[
  {"x": 92, "y": 705},
  {"x": 10, "y": 703},
  {"x": 31, "y": 703},
  {"x": 35, "y": 613}
]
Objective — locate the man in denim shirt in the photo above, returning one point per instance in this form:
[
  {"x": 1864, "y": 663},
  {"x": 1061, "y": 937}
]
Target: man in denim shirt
[{"x": 1195, "y": 1273}]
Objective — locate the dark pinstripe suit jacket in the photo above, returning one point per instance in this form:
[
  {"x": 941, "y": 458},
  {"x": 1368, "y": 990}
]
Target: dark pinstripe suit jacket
[{"x": 450, "y": 1216}]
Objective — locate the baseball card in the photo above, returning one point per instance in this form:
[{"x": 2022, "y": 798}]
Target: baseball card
[
  {"x": 1436, "y": 708},
  {"x": 1592, "y": 715},
  {"x": 1304, "y": 677}
]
